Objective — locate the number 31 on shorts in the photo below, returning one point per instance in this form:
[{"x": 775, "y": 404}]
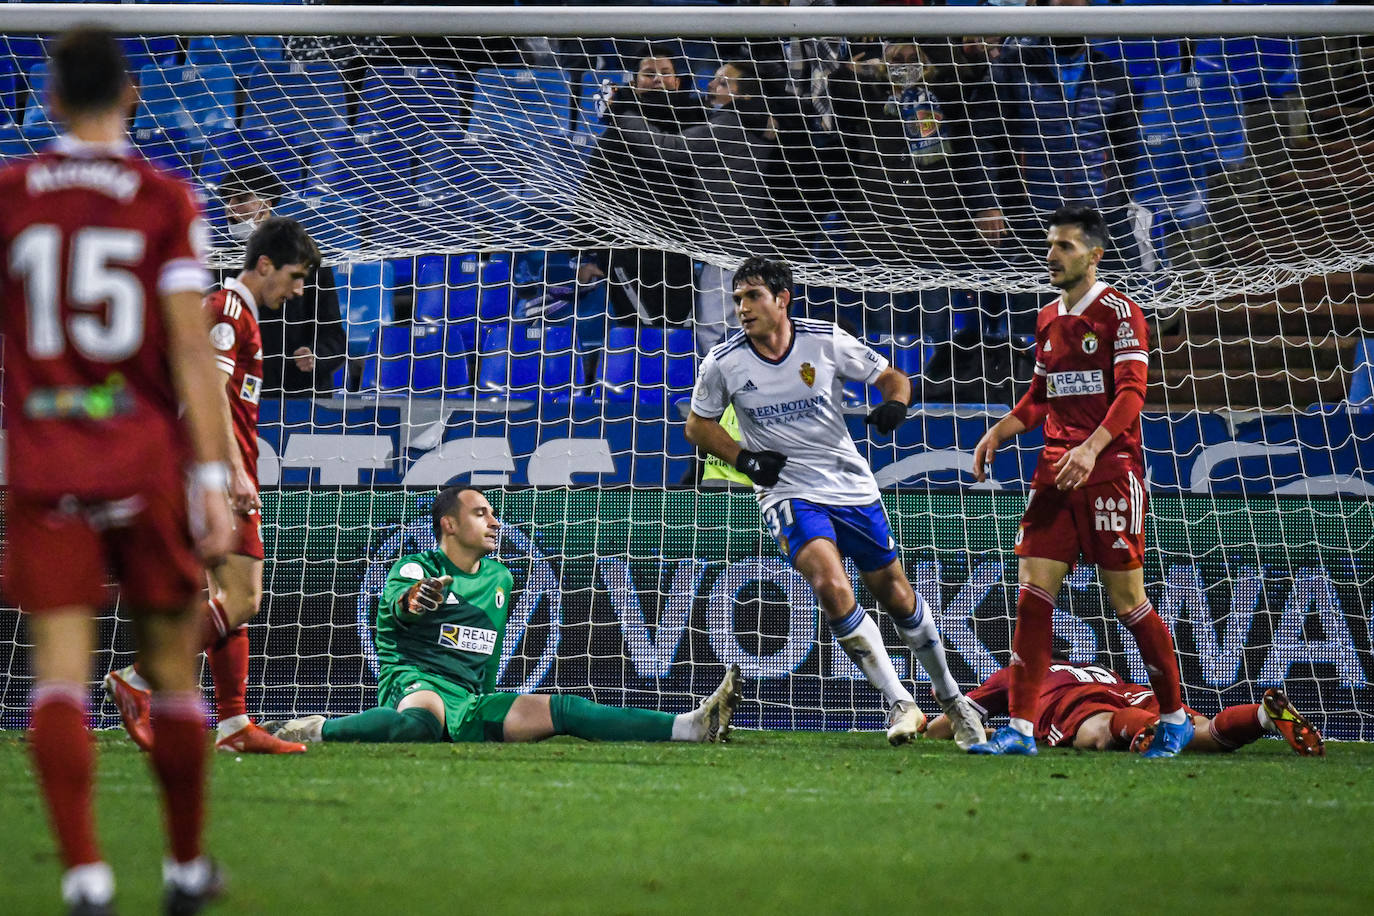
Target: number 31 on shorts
[{"x": 778, "y": 517}]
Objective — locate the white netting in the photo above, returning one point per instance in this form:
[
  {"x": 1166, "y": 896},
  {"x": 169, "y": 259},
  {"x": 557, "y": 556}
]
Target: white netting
[{"x": 530, "y": 242}]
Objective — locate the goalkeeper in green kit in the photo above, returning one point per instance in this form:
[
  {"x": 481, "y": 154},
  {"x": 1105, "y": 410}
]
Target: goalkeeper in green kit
[{"x": 441, "y": 622}]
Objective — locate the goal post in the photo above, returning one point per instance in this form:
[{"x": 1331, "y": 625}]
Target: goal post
[{"x": 531, "y": 252}]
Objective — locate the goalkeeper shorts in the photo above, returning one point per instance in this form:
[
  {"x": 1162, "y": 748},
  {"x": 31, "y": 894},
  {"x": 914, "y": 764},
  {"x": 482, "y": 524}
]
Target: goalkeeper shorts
[{"x": 468, "y": 716}]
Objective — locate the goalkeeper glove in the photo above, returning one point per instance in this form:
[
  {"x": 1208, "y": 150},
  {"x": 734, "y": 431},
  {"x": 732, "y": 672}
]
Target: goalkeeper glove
[
  {"x": 887, "y": 416},
  {"x": 427, "y": 594},
  {"x": 763, "y": 468}
]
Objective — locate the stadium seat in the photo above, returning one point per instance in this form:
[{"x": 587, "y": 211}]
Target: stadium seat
[
  {"x": 231, "y": 151},
  {"x": 151, "y": 51},
  {"x": 410, "y": 101},
  {"x": 188, "y": 98},
  {"x": 241, "y": 53},
  {"x": 296, "y": 99},
  {"x": 35, "y": 107},
  {"x": 463, "y": 286},
  {"x": 370, "y": 290},
  {"x": 10, "y": 85},
  {"x": 1145, "y": 57},
  {"x": 171, "y": 150},
  {"x": 335, "y": 223},
  {"x": 460, "y": 347},
  {"x": 21, "y": 141},
  {"x": 1362, "y": 376},
  {"x": 1258, "y": 67},
  {"x": 519, "y": 107},
  {"x": 446, "y": 287},
  {"x": 525, "y": 360},
  {"x": 615, "y": 374},
  {"x": 908, "y": 355},
  {"x": 370, "y": 169}
]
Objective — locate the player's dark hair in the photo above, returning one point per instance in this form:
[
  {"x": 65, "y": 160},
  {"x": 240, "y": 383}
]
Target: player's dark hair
[
  {"x": 1088, "y": 221},
  {"x": 748, "y": 78},
  {"x": 445, "y": 503},
  {"x": 87, "y": 69},
  {"x": 776, "y": 275},
  {"x": 284, "y": 241}
]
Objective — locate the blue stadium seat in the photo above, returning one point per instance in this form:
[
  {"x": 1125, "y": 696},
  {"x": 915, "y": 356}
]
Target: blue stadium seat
[
  {"x": 371, "y": 169},
  {"x": 171, "y": 150},
  {"x": 241, "y": 53},
  {"x": 446, "y": 287},
  {"x": 188, "y": 98},
  {"x": 296, "y": 99},
  {"x": 526, "y": 360},
  {"x": 1258, "y": 67},
  {"x": 150, "y": 51},
  {"x": 10, "y": 84},
  {"x": 335, "y": 223},
  {"x": 615, "y": 373},
  {"x": 463, "y": 286},
  {"x": 24, "y": 50},
  {"x": 523, "y": 107},
  {"x": 907, "y": 355},
  {"x": 460, "y": 348},
  {"x": 1145, "y": 57},
  {"x": 368, "y": 304},
  {"x": 231, "y": 151},
  {"x": 16, "y": 140},
  {"x": 1362, "y": 376},
  {"x": 35, "y": 108},
  {"x": 410, "y": 101}
]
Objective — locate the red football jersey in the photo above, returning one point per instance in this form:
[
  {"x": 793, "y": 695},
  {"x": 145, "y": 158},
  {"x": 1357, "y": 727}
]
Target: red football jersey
[
  {"x": 237, "y": 341},
  {"x": 91, "y": 237},
  {"x": 1063, "y": 692},
  {"x": 1077, "y": 351}
]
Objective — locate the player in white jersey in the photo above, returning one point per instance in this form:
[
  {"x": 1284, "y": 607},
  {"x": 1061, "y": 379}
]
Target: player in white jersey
[{"x": 817, "y": 495}]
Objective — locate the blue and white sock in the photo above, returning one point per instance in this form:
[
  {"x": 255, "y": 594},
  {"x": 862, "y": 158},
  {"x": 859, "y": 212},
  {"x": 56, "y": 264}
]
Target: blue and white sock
[
  {"x": 859, "y": 637},
  {"x": 922, "y": 637}
]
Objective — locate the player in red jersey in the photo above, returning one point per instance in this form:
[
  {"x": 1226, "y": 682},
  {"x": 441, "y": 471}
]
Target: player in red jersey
[
  {"x": 279, "y": 256},
  {"x": 1087, "y": 498},
  {"x": 103, "y": 339},
  {"x": 1095, "y": 709}
]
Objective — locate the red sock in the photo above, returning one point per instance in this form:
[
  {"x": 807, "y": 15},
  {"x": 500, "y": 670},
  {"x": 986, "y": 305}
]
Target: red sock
[
  {"x": 1236, "y": 726},
  {"x": 215, "y": 626},
  {"x": 1127, "y": 723},
  {"x": 229, "y": 666},
  {"x": 1157, "y": 649},
  {"x": 1031, "y": 645},
  {"x": 179, "y": 760},
  {"x": 64, "y": 759}
]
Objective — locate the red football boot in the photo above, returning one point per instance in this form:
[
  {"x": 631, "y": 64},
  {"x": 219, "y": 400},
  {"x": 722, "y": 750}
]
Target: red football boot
[
  {"x": 253, "y": 740},
  {"x": 1296, "y": 730},
  {"x": 134, "y": 707}
]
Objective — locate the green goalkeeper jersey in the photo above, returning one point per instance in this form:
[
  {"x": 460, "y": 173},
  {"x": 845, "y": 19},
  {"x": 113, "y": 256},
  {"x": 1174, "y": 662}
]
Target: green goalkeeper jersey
[{"x": 461, "y": 640}]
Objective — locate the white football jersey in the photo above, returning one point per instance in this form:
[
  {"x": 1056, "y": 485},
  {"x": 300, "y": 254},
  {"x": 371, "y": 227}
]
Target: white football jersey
[{"x": 794, "y": 406}]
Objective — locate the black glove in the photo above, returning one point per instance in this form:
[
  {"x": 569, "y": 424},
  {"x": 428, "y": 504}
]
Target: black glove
[
  {"x": 887, "y": 416},
  {"x": 763, "y": 468},
  {"x": 427, "y": 594}
]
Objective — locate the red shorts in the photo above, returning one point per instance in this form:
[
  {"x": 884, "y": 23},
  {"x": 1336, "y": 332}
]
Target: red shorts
[
  {"x": 60, "y": 553},
  {"x": 250, "y": 536},
  {"x": 1104, "y": 522}
]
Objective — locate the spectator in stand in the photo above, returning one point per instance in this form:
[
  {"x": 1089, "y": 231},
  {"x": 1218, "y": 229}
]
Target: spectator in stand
[
  {"x": 1072, "y": 127},
  {"x": 915, "y": 184},
  {"x": 735, "y": 163},
  {"x": 303, "y": 343},
  {"x": 646, "y": 285}
]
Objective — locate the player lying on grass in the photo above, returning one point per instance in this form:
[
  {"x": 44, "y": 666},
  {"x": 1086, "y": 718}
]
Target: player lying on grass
[
  {"x": 441, "y": 622},
  {"x": 1095, "y": 709}
]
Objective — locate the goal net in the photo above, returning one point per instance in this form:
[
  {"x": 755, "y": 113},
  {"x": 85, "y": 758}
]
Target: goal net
[{"x": 531, "y": 236}]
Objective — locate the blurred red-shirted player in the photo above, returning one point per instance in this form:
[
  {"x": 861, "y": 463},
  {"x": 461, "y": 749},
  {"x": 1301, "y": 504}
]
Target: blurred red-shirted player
[
  {"x": 103, "y": 339},
  {"x": 1095, "y": 709},
  {"x": 1087, "y": 498},
  {"x": 278, "y": 257}
]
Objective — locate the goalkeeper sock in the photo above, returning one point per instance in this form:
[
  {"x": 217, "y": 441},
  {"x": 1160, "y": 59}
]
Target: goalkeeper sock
[
  {"x": 64, "y": 760},
  {"x": 229, "y": 667},
  {"x": 1031, "y": 645},
  {"x": 859, "y": 637},
  {"x": 179, "y": 760},
  {"x": 919, "y": 633},
  {"x": 1157, "y": 649},
  {"x": 385, "y": 725},
  {"x": 581, "y": 718},
  {"x": 1127, "y": 723},
  {"x": 1237, "y": 726}
]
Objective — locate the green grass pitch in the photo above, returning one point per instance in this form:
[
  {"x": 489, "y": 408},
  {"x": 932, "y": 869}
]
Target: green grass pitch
[{"x": 771, "y": 823}]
